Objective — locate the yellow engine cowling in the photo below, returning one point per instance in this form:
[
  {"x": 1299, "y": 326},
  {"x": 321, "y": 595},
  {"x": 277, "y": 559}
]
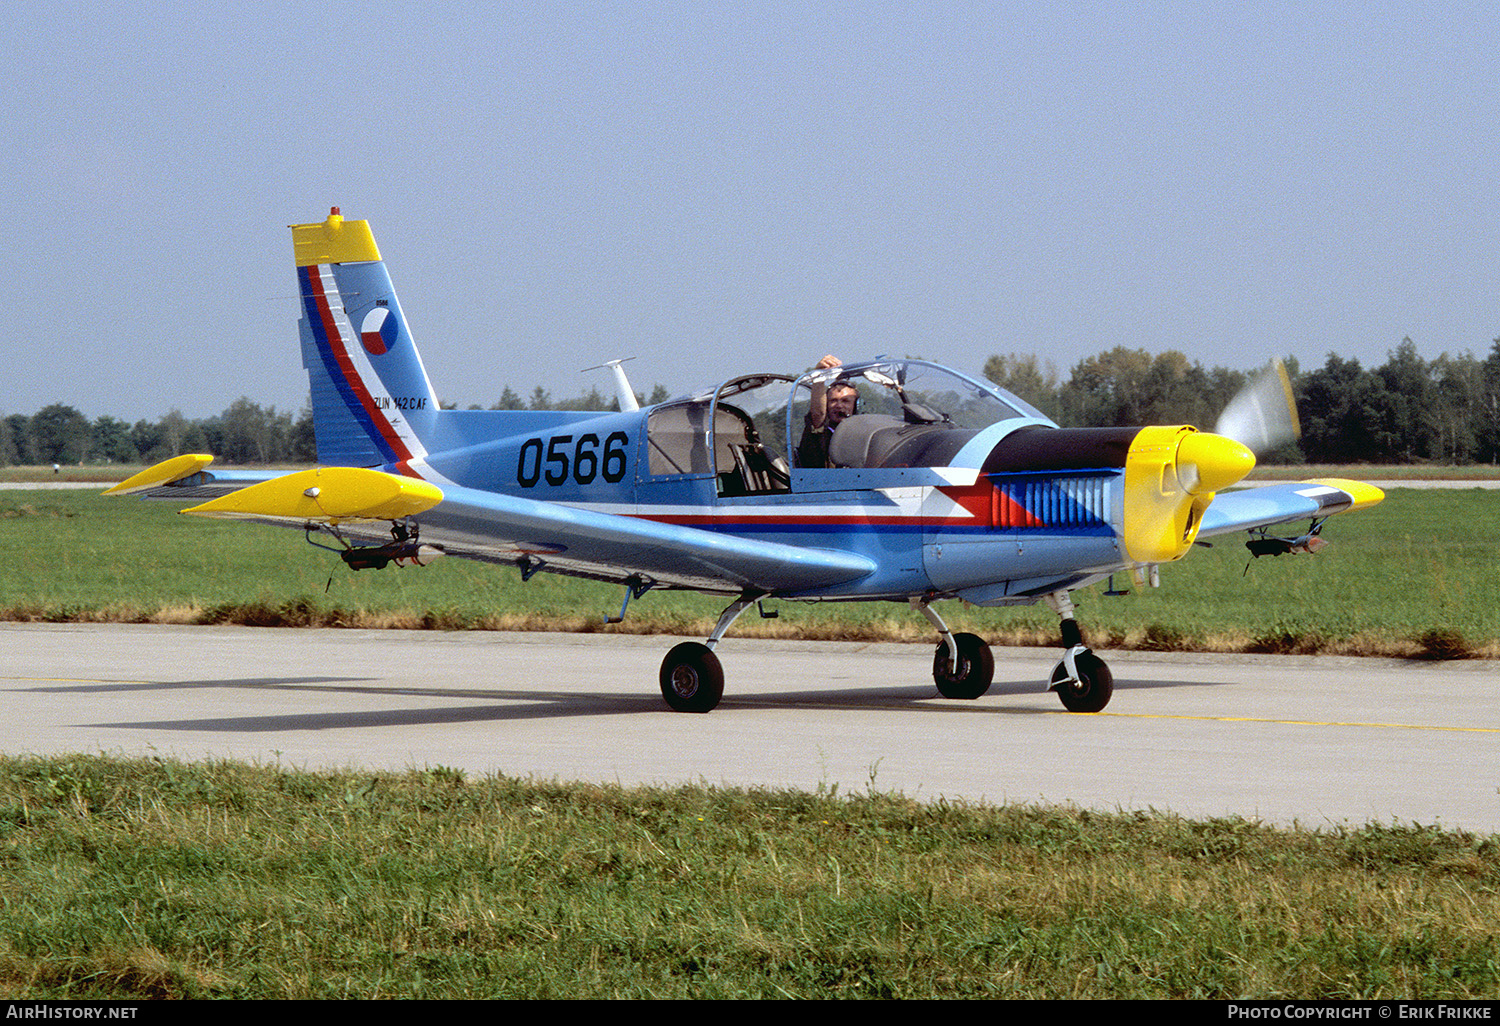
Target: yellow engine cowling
[{"x": 1171, "y": 476}]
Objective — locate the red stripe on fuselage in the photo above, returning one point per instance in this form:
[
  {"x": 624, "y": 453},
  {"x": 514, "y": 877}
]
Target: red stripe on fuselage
[
  {"x": 975, "y": 499},
  {"x": 335, "y": 339},
  {"x": 992, "y": 506},
  {"x": 714, "y": 519}
]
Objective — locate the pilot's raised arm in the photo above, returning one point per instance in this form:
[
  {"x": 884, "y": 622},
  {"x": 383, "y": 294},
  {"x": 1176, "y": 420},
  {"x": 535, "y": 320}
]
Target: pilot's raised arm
[{"x": 827, "y": 407}]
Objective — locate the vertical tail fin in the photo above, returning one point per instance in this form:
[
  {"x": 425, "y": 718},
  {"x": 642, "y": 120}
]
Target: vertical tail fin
[{"x": 372, "y": 402}]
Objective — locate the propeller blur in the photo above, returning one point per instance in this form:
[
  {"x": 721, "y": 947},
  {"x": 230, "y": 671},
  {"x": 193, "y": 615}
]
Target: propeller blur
[{"x": 1263, "y": 416}]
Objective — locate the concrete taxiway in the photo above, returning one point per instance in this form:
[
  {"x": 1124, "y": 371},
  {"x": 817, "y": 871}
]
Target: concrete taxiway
[{"x": 1309, "y": 740}]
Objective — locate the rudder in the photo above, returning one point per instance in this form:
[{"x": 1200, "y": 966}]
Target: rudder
[{"x": 372, "y": 402}]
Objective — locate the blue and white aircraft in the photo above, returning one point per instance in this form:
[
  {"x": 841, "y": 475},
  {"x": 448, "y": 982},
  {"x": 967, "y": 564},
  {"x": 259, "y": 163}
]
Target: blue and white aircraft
[{"x": 921, "y": 484}]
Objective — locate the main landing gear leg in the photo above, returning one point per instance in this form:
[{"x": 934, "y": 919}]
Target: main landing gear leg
[
  {"x": 1081, "y": 679},
  {"x": 692, "y": 679},
  {"x": 962, "y": 666}
]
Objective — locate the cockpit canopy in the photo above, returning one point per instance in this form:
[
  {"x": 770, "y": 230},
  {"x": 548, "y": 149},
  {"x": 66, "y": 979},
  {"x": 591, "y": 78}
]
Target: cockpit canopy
[
  {"x": 909, "y": 413},
  {"x": 918, "y": 391}
]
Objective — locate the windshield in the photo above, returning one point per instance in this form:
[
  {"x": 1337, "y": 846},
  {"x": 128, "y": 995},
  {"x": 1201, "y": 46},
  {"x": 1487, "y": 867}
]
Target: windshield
[
  {"x": 918, "y": 392},
  {"x": 747, "y": 430}
]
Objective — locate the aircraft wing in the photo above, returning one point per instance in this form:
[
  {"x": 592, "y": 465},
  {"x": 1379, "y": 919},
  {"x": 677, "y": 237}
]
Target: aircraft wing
[
  {"x": 607, "y": 546},
  {"x": 1276, "y": 504},
  {"x": 496, "y": 528}
]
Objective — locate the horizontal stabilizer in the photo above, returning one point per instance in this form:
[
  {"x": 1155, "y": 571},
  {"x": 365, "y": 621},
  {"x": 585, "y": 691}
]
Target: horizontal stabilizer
[
  {"x": 327, "y": 495},
  {"x": 163, "y": 473},
  {"x": 334, "y": 241}
]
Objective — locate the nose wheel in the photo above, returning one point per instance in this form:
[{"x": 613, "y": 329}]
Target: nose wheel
[{"x": 1086, "y": 685}]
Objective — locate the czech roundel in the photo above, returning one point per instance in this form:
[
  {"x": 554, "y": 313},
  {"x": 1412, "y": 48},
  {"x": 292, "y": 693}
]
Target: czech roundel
[{"x": 378, "y": 331}]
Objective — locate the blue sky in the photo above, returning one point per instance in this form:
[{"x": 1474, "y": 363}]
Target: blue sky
[{"x": 714, "y": 188}]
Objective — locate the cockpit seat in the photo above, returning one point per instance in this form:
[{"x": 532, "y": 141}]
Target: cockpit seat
[
  {"x": 863, "y": 439},
  {"x": 872, "y": 440}
]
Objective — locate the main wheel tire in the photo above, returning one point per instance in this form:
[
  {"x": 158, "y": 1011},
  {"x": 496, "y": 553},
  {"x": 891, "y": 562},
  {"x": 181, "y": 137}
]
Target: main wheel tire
[
  {"x": 692, "y": 680},
  {"x": 976, "y": 668},
  {"x": 1092, "y": 690}
]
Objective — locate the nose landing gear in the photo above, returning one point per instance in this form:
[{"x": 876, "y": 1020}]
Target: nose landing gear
[{"x": 1081, "y": 679}]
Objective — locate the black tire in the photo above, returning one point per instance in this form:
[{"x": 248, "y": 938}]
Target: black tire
[
  {"x": 1092, "y": 690},
  {"x": 976, "y": 668},
  {"x": 692, "y": 680}
]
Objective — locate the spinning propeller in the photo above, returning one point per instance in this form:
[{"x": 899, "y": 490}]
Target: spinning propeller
[{"x": 1264, "y": 415}]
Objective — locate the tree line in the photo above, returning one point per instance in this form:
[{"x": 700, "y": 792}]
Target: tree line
[
  {"x": 244, "y": 433},
  {"x": 1406, "y": 410}
]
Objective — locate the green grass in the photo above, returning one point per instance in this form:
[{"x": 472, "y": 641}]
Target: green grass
[
  {"x": 155, "y": 879},
  {"x": 1413, "y": 576}
]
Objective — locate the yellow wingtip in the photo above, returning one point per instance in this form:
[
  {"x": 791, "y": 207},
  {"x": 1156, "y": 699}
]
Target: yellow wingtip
[{"x": 1363, "y": 494}]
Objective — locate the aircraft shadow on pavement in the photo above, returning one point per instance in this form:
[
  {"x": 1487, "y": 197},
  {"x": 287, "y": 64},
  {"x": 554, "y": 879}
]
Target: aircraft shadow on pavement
[
  {"x": 100, "y": 687},
  {"x": 505, "y": 705}
]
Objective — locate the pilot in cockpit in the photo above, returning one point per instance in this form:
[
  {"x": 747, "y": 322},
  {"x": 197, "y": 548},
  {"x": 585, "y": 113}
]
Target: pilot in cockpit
[{"x": 827, "y": 408}]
